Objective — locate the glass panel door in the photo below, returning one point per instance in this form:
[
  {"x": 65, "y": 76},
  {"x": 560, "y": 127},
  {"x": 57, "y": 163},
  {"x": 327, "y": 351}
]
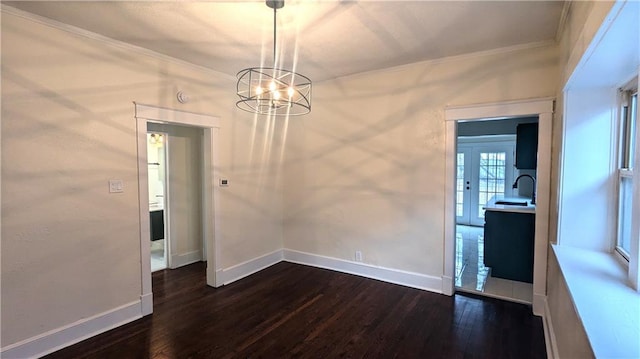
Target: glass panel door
[
  {"x": 463, "y": 186},
  {"x": 483, "y": 170},
  {"x": 493, "y": 170},
  {"x": 491, "y": 177}
]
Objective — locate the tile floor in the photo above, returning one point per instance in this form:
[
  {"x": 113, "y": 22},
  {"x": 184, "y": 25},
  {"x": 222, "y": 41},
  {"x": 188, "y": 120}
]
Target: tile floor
[
  {"x": 472, "y": 276},
  {"x": 158, "y": 261}
]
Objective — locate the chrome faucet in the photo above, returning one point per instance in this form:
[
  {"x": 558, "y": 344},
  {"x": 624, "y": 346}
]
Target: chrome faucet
[{"x": 533, "y": 194}]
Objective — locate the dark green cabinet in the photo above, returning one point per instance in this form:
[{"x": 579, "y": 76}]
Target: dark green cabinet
[
  {"x": 509, "y": 244},
  {"x": 157, "y": 224},
  {"x": 527, "y": 146}
]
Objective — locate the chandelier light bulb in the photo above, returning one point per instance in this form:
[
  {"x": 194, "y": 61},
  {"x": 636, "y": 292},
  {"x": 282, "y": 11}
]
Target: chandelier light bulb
[
  {"x": 272, "y": 86},
  {"x": 290, "y": 91},
  {"x": 258, "y": 90},
  {"x": 276, "y": 95}
]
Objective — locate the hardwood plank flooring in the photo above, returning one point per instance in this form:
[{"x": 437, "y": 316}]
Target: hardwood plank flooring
[{"x": 290, "y": 310}]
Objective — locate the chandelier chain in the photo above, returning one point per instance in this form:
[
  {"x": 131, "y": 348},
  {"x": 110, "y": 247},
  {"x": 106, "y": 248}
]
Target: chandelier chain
[{"x": 274, "y": 35}]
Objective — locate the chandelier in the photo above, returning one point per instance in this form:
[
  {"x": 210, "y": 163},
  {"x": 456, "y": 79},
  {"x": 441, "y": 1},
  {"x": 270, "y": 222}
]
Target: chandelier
[{"x": 273, "y": 90}]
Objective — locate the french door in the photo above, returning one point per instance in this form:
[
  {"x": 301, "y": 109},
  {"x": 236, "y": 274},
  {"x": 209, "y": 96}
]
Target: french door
[{"x": 482, "y": 171}]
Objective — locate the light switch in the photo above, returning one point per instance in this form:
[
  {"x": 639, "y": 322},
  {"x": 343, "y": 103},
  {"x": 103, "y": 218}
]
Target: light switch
[{"x": 116, "y": 186}]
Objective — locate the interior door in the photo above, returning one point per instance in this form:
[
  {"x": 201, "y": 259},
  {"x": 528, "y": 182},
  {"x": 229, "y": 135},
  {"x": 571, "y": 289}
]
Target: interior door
[
  {"x": 492, "y": 174},
  {"x": 482, "y": 171},
  {"x": 463, "y": 186}
]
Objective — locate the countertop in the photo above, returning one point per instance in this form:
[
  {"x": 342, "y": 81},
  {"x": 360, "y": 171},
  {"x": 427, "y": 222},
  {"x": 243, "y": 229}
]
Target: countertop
[{"x": 492, "y": 206}]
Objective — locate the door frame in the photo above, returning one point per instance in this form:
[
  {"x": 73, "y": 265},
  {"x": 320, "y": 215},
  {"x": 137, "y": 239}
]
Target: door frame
[
  {"x": 543, "y": 108},
  {"x": 210, "y": 206},
  {"x": 165, "y": 198}
]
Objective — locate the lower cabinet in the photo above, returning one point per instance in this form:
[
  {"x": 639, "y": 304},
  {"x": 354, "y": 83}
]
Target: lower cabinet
[
  {"x": 509, "y": 244},
  {"x": 157, "y": 224}
]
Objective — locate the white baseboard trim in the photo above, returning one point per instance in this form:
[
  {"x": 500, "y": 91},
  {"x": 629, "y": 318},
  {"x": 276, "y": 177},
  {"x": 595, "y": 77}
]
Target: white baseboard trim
[
  {"x": 447, "y": 285},
  {"x": 179, "y": 260},
  {"x": 146, "y": 304},
  {"x": 409, "y": 279},
  {"x": 70, "y": 334},
  {"x": 549, "y": 333},
  {"x": 244, "y": 269}
]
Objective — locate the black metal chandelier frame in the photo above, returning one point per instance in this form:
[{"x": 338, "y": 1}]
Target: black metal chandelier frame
[{"x": 273, "y": 90}]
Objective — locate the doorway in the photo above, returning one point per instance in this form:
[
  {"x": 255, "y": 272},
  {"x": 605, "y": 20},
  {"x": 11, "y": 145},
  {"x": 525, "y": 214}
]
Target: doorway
[
  {"x": 484, "y": 170},
  {"x": 209, "y": 127},
  {"x": 157, "y": 178},
  {"x": 182, "y": 194},
  {"x": 543, "y": 109}
]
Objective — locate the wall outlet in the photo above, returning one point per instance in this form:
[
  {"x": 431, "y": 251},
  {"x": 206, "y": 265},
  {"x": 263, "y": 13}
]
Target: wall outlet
[
  {"x": 358, "y": 256},
  {"x": 116, "y": 186}
]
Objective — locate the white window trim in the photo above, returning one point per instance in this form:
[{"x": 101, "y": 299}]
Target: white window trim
[
  {"x": 630, "y": 262},
  {"x": 634, "y": 260}
]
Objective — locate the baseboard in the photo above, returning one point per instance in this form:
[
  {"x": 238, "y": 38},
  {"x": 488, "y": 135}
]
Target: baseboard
[
  {"x": 409, "y": 279},
  {"x": 70, "y": 334},
  {"x": 244, "y": 269},
  {"x": 447, "y": 286},
  {"x": 179, "y": 260},
  {"x": 549, "y": 333},
  {"x": 146, "y": 304}
]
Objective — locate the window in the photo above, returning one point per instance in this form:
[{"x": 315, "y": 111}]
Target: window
[
  {"x": 492, "y": 177},
  {"x": 626, "y": 155},
  {"x": 460, "y": 185}
]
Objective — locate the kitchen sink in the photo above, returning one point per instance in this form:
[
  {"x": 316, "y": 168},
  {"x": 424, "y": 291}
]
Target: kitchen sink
[{"x": 512, "y": 203}]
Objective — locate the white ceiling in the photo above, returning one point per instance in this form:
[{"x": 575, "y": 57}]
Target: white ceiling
[{"x": 329, "y": 39}]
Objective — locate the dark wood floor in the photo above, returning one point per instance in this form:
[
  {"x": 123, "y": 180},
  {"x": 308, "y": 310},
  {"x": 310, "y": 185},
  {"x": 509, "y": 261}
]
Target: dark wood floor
[{"x": 291, "y": 310}]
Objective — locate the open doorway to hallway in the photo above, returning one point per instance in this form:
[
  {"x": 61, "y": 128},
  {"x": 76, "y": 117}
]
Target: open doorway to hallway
[
  {"x": 156, "y": 158},
  {"x": 175, "y": 195}
]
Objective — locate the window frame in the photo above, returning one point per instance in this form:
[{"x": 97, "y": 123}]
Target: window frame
[{"x": 627, "y": 158}]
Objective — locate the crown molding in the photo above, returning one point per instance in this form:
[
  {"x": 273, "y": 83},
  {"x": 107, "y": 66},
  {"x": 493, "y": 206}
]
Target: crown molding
[
  {"x": 6, "y": 9},
  {"x": 467, "y": 56},
  {"x": 562, "y": 23}
]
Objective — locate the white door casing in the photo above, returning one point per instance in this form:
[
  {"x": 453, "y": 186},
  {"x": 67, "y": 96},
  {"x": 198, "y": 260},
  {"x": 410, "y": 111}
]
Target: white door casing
[
  {"x": 543, "y": 108},
  {"x": 210, "y": 205}
]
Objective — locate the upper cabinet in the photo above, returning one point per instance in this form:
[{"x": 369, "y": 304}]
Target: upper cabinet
[{"x": 527, "y": 146}]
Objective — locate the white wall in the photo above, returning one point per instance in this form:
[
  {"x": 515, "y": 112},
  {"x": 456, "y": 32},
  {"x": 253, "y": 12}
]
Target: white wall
[
  {"x": 71, "y": 250},
  {"x": 582, "y": 21},
  {"x": 365, "y": 170},
  {"x": 588, "y": 174}
]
